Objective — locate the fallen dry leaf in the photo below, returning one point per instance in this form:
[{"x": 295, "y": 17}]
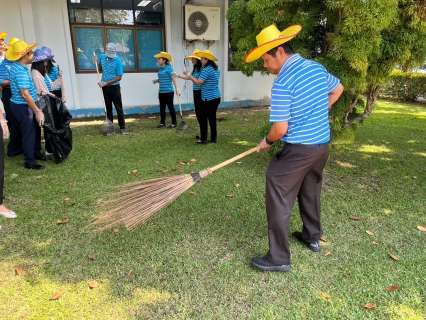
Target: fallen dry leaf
[
  {"x": 281, "y": 12},
  {"x": 387, "y": 142},
  {"x": 393, "y": 257},
  {"x": 137, "y": 174},
  {"x": 193, "y": 160},
  {"x": 70, "y": 184},
  {"x": 229, "y": 195},
  {"x": 63, "y": 221},
  {"x": 327, "y": 253},
  {"x": 358, "y": 208},
  {"x": 93, "y": 284},
  {"x": 370, "y": 233},
  {"x": 130, "y": 272},
  {"x": 91, "y": 256},
  {"x": 238, "y": 162},
  {"x": 19, "y": 271},
  {"x": 370, "y": 305},
  {"x": 325, "y": 295},
  {"x": 56, "y": 295},
  {"x": 67, "y": 199},
  {"x": 116, "y": 230},
  {"x": 165, "y": 171},
  {"x": 135, "y": 171},
  {"x": 421, "y": 228},
  {"x": 99, "y": 202},
  {"x": 323, "y": 239},
  {"x": 192, "y": 192},
  {"x": 157, "y": 162},
  {"x": 237, "y": 185},
  {"x": 140, "y": 161},
  {"x": 182, "y": 163},
  {"x": 180, "y": 170},
  {"x": 415, "y": 177},
  {"x": 128, "y": 172},
  {"x": 354, "y": 218},
  {"x": 374, "y": 242},
  {"x": 392, "y": 288}
]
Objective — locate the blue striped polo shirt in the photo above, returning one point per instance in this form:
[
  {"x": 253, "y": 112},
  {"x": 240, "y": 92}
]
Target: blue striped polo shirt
[
  {"x": 48, "y": 83},
  {"x": 299, "y": 96},
  {"x": 111, "y": 68},
  {"x": 20, "y": 79},
  {"x": 210, "y": 87},
  {"x": 53, "y": 75},
  {"x": 165, "y": 77},
  {"x": 5, "y": 66},
  {"x": 196, "y": 75}
]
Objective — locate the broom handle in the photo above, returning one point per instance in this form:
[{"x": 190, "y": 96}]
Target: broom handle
[
  {"x": 99, "y": 80},
  {"x": 177, "y": 87},
  {"x": 225, "y": 163}
]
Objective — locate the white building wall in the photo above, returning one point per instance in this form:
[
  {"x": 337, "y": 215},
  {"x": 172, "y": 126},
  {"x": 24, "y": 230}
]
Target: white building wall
[{"x": 46, "y": 22}]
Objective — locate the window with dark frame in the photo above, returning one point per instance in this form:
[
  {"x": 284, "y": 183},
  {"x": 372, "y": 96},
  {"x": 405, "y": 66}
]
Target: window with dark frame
[{"x": 135, "y": 26}]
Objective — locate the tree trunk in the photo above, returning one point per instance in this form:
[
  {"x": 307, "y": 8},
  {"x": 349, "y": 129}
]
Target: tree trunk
[{"x": 372, "y": 95}]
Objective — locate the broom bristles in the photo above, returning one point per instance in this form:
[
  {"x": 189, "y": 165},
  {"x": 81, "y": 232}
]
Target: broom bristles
[{"x": 134, "y": 203}]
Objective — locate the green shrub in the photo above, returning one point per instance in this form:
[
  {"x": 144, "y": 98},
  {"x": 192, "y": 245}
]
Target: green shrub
[{"x": 405, "y": 86}]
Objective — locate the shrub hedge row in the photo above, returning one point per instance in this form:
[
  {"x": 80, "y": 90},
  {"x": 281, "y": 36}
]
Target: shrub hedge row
[{"x": 405, "y": 86}]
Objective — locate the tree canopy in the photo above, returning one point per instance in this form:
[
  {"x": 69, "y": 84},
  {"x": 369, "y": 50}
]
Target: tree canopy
[{"x": 359, "y": 41}]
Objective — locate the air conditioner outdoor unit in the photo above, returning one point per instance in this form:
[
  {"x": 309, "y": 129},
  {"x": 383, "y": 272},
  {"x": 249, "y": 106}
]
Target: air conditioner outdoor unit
[{"x": 201, "y": 23}]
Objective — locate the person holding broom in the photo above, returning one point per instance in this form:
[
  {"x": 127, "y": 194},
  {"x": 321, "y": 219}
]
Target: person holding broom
[
  {"x": 196, "y": 61},
  {"x": 210, "y": 94},
  {"x": 301, "y": 97},
  {"x": 111, "y": 67},
  {"x": 167, "y": 81}
]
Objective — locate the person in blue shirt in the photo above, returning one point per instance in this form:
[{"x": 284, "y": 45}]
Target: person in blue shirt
[
  {"x": 196, "y": 62},
  {"x": 111, "y": 67},
  {"x": 208, "y": 80},
  {"x": 52, "y": 72},
  {"x": 302, "y": 95},
  {"x": 14, "y": 147},
  {"x": 22, "y": 103},
  {"x": 167, "y": 81}
]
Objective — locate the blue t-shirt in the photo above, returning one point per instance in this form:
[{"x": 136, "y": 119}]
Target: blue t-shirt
[
  {"x": 5, "y": 66},
  {"x": 111, "y": 68},
  {"x": 165, "y": 77},
  {"x": 210, "y": 87},
  {"x": 196, "y": 73},
  {"x": 299, "y": 96},
  {"x": 53, "y": 75},
  {"x": 20, "y": 79}
]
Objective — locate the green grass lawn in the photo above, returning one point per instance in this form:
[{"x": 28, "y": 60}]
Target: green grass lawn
[{"x": 192, "y": 259}]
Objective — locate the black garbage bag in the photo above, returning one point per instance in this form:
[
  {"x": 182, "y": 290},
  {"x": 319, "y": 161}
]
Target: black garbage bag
[{"x": 57, "y": 121}]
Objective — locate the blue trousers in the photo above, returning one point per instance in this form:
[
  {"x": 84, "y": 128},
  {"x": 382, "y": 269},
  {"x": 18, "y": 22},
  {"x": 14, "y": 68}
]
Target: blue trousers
[
  {"x": 31, "y": 138},
  {"x": 14, "y": 147}
]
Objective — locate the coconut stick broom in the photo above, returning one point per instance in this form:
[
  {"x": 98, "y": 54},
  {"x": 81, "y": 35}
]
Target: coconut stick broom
[{"x": 134, "y": 203}]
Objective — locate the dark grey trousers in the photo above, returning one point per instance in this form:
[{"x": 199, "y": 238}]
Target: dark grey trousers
[{"x": 294, "y": 173}]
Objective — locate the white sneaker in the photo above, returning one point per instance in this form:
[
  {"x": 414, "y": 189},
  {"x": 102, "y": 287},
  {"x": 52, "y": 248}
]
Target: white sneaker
[
  {"x": 48, "y": 153},
  {"x": 9, "y": 215}
]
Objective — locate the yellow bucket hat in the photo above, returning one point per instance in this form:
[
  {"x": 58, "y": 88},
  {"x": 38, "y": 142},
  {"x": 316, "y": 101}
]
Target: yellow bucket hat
[
  {"x": 3, "y": 34},
  {"x": 163, "y": 54},
  {"x": 13, "y": 40},
  {"x": 270, "y": 38},
  {"x": 207, "y": 54},
  {"x": 18, "y": 49},
  {"x": 194, "y": 55}
]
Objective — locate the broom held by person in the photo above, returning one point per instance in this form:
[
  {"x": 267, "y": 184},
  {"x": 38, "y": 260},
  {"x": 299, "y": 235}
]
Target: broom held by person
[
  {"x": 301, "y": 97},
  {"x": 166, "y": 93}
]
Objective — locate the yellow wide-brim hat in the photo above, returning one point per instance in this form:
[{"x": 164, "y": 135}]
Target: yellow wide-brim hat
[
  {"x": 194, "y": 55},
  {"x": 3, "y": 34},
  {"x": 270, "y": 38},
  {"x": 18, "y": 49},
  {"x": 13, "y": 40},
  {"x": 163, "y": 54},
  {"x": 206, "y": 54}
]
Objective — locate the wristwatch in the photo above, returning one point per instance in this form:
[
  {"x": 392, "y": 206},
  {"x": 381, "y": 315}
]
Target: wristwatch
[{"x": 268, "y": 142}]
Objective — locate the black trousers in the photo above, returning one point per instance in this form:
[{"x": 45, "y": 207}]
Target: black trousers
[
  {"x": 31, "y": 139},
  {"x": 294, "y": 172},
  {"x": 112, "y": 95},
  {"x": 197, "y": 104},
  {"x": 166, "y": 99},
  {"x": 208, "y": 116},
  {"x": 1, "y": 165},
  {"x": 14, "y": 147}
]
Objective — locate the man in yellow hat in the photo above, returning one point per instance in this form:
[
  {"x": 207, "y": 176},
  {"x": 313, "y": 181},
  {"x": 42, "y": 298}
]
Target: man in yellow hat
[
  {"x": 22, "y": 103},
  {"x": 301, "y": 97},
  {"x": 14, "y": 146}
]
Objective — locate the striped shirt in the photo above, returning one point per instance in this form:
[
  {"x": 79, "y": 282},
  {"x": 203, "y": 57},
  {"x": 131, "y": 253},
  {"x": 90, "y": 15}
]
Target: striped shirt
[
  {"x": 210, "y": 87},
  {"x": 48, "y": 83},
  {"x": 53, "y": 75},
  {"x": 111, "y": 68},
  {"x": 196, "y": 73},
  {"x": 20, "y": 79},
  {"x": 5, "y": 66},
  {"x": 299, "y": 96},
  {"x": 165, "y": 77}
]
